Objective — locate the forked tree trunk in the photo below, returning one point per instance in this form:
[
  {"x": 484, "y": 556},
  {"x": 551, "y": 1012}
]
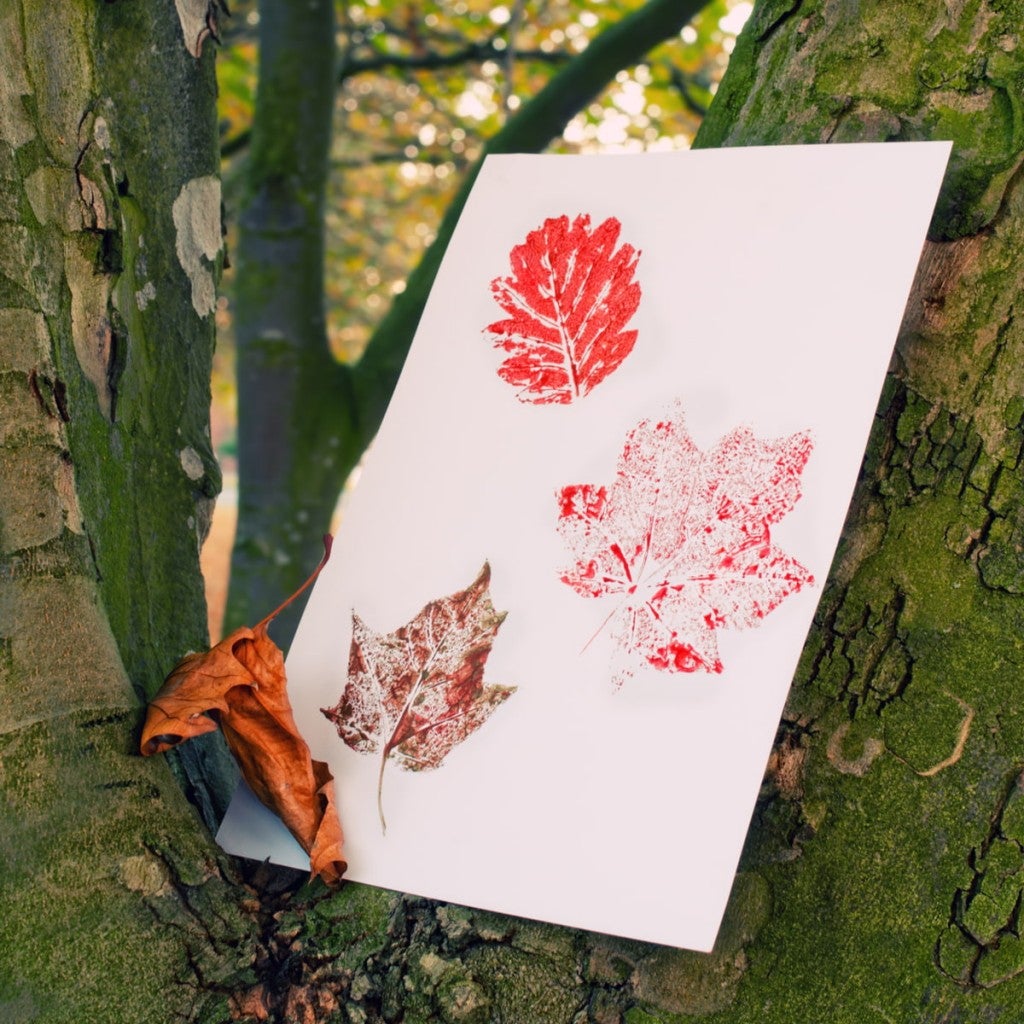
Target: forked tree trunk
[
  {"x": 305, "y": 419},
  {"x": 883, "y": 872}
]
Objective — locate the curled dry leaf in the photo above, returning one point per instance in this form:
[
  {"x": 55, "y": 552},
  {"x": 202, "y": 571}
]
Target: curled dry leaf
[
  {"x": 241, "y": 683},
  {"x": 413, "y": 694}
]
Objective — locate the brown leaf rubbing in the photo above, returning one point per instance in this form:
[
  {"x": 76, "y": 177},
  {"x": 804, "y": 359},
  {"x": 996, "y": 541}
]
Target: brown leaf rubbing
[
  {"x": 414, "y": 694},
  {"x": 241, "y": 682}
]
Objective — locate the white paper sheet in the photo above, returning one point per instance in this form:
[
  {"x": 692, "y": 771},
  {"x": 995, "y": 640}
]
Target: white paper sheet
[{"x": 607, "y": 793}]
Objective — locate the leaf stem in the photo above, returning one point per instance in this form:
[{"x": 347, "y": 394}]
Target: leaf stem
[
  {"x": 380, "y": 791},
  {"x": 266, "y": 620},
  {"x": 410, "y": 699}
]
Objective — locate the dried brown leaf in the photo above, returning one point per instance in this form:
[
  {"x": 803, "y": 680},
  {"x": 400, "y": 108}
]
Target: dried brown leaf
[{"x": 240, "y": 683}]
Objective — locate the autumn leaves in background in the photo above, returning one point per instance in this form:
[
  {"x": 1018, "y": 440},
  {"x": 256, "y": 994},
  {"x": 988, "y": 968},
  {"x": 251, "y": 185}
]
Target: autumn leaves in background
[{"x": 678, "y": 546}]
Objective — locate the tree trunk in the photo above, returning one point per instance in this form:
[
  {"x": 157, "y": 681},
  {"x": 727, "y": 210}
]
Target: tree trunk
[{"x": 110, "y": 227}]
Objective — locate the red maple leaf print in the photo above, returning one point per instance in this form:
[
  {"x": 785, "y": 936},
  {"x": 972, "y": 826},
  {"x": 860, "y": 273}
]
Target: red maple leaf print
[
  {"x": 413, "y": 694},
  {"x": 682, "y": 541},
  {"x": 568, "y": 299}
]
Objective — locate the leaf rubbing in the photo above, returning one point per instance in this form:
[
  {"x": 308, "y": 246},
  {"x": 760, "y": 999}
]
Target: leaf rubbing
[
  {"x": 413, "y": 694},
  {"x": 241, "y": 683},
  {"x": 568, "y": 299},
  {"x": 681, "y": 541}
]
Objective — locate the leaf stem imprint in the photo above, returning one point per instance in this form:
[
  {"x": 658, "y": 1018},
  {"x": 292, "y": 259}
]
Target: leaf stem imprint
[{"x": 409, "y": 701}]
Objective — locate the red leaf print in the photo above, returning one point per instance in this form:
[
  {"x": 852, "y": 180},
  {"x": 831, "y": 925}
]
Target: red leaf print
[
  {"x": 570, "y": 294},
  {"x": 415, "y": 693},
  {"x": 682, "y": 541}
]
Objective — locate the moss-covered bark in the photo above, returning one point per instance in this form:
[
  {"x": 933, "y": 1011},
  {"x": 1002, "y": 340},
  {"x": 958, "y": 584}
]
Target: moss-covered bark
[{"x": 109, "y": 229}]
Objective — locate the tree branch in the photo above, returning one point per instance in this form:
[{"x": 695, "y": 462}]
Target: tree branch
[
  {"x": 540, "y": 121},
  {"x": 471, "y": 53},
  {"x": 679, "y": 82}
]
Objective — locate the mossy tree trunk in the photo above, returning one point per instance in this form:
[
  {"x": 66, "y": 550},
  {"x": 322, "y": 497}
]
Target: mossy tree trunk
[{"x": 109, "y": 242}]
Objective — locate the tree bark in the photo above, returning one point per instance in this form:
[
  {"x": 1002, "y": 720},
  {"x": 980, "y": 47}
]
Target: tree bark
[{"x": 110, "y": 229}]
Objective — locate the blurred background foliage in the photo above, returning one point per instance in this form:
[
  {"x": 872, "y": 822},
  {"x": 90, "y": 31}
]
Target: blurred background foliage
[{"x": 421, "y": 86}]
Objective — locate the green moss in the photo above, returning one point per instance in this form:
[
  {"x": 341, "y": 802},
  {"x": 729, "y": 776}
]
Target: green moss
[
  {"x": 1004, "y": 962},
  {"x": 1002, "y": 562},
  {"x": 75, "y": 914},
  {"x": 924, "y": 725},
  {"x": 525, "y": 989},
  {"x": 732, "y": 92},
  {"x": 347, "y": 927},
  {"x": 438, "y": 988},
  {"x": 636, "y": 1015},
  {"x": 58, "y": 59},
  {"x": 676, "y": 982},
  {"x": 1012, "y": 822},
  {"x": 461, "y": 1000}
]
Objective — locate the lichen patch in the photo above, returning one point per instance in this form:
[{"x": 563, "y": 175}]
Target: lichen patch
[
  {"x": 858, "y": 766},
  {"x": 958, "y": 747},
  {"x": 53, "y": 196},
  {"x": 101, "y": 133},
  {"x": 196, "y": 214},
  {"x": 91, "y": 329},
  {"x": 24, "y": 340},
  {"x": 195, "y": 17},
  {"x": 67, "y": 493},
  {"x": 191, "y": 463},
  {"x": 145, "y": 295},
  {"x": 145, "y": 874},
  {"x": 15, "y": 125}
]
